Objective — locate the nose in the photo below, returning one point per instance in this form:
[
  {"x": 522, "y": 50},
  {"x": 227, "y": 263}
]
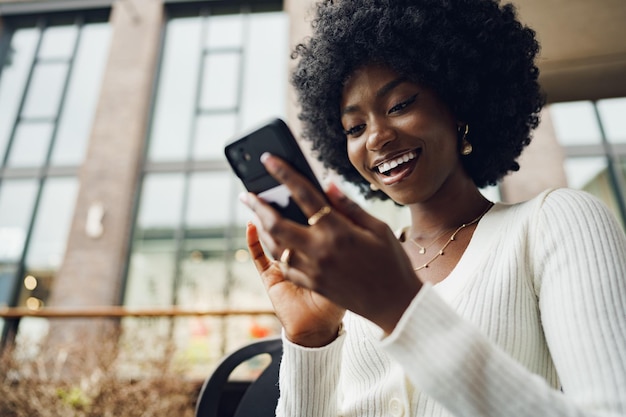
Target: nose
[{"x": 381, "y": 133}]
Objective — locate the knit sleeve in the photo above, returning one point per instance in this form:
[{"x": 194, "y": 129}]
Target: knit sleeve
[
  {"x": 582, "y": 300},
  {"x": 309, "y": 379}
]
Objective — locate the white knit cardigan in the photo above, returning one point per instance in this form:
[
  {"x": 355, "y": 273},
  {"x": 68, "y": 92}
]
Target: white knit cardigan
[{"x": 531, "y": 322}]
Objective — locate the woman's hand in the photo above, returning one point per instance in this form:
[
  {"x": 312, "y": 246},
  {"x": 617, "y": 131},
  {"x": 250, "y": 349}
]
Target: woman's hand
[
  {"x": 308, "y": 318},
  {"x": 349, "y": 257}
]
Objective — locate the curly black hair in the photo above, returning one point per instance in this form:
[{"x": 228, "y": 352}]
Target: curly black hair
[{"x": 474, "y": 53}]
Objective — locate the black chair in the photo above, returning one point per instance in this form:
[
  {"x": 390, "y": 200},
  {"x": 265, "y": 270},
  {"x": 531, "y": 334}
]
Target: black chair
[{"x": 259, "y": 398}]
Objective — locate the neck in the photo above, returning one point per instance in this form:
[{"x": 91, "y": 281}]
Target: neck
[{"x": 430, "y": 218}]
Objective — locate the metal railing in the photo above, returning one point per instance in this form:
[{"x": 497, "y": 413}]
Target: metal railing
[{"x": 120, "y": 312}]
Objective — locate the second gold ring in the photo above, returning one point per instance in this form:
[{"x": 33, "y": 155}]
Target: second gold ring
[
  {"x": 283, "y": 261},
  {"x": 315, "y": 218},
  {"x": 285, "y": 257}
]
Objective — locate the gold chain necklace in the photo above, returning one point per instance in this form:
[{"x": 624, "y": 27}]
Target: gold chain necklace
[
  {"x": 452, "y": 237},
  {"x": 422, "y": 249}
]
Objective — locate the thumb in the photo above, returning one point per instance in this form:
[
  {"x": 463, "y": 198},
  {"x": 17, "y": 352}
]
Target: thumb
[{"x": 347, "y": 207}]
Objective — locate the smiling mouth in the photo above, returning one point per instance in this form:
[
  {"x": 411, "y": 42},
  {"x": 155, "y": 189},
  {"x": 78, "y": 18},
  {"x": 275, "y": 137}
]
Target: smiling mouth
[{"x": 395, "y": 165}]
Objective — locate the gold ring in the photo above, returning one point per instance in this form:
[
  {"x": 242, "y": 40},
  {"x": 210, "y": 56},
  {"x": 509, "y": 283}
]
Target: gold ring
[
  {"x": 318, "y": 215},
  {"x": 284, "y": 259}
]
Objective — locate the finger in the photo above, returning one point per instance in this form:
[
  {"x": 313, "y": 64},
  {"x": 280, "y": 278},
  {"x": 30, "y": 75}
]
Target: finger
[
  {"x": 268, "y": 269},
  {"x": 304, "y": 193},
  {"x": 349, "y": 208},
  {"x": 261, "y": 261},
  {"x": 276, "y": 232}
]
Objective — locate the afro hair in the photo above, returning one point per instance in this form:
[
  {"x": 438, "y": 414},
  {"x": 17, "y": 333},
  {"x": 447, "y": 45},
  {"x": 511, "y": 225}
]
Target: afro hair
[{"x": 474, "y": 53}]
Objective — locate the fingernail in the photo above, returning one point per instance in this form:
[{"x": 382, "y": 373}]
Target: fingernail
[
  {"x": 265, "y": 156},
  {"x": 333, "y": 190}
]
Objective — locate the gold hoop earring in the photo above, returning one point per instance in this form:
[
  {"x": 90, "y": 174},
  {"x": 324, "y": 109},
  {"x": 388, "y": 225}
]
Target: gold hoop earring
[{"x": 466, "y": 147}]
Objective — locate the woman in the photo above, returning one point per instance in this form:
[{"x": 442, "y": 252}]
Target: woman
[{"x": 474, "y": 309}]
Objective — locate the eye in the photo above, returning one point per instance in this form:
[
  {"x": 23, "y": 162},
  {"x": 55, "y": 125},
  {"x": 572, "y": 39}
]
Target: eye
[
  {"x": 355, "y": 130},
  {"x": 403, "y": 104}
]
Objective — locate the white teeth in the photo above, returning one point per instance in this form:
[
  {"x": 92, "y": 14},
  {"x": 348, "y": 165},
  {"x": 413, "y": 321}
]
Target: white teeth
[{"x": 384, "y": 167}]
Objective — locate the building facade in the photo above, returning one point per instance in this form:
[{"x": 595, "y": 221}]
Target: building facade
[{"x": 113, "y": 185}]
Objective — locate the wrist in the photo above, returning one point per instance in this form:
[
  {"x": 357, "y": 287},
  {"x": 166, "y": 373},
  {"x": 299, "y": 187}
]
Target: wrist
[{"x": 316, "y": 339}]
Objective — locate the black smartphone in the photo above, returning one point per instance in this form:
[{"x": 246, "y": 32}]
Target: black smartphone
[{"x": 244, "y": 153}]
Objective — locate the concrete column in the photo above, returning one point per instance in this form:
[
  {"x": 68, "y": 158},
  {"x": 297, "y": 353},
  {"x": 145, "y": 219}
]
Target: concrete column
[
  {"x": 541, "y": 165},
  {"x": 92, "y": 270}
]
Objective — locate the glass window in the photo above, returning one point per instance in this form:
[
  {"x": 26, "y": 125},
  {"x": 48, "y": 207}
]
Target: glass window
[
  {"x": 580, "y": 127},
  {"x": 82, "y": 95},
  {"x": 48, "y": 90},
  {"x": 43, "y": 85},
  {"x": 213, "y": 88},
  {"x": 212, "y": 133},
  {"x": 210, "y": 200},
  {"x": 17, "y": 199},
  {"x": 581, "y": 172},
  {"x": 225, "y": 31},
  {"x": 151, "y": 273},
  {"x": 575, "y": 123},
  {"x": 176, "y": 104},
  {"x": 161, "y": 202},
  {"x": 58, "y": 42},
  {"x": 45, "y": 89},
  {"x": 153, "y": 261},
  {"x": 52, "y": 224},
  {"x": 265, "y": 74},
  {"x": 613, "y": 116},
  {"x": 43, "y": 257},
  {"x": 219, "y": 75},
  {"x": 30, "y": 144},
  {"x": 13, "y": 78},
  {"x": 221, "y": 81}
]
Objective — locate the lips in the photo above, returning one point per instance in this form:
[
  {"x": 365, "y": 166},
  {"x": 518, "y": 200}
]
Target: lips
[
  {"x": 397, "y": 167},
  {"x": 386, "y": 167}
]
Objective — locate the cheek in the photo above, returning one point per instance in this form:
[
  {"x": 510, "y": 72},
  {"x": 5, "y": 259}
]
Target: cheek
[{"x": 356, "y": 155}]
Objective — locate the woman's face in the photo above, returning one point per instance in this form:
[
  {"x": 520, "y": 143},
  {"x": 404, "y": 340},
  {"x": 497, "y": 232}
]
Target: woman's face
[{"x": 400, "y": 136}]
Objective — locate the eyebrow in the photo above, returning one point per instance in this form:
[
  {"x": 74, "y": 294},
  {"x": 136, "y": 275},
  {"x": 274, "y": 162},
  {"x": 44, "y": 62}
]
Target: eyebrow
[{"x": 384, "y": 90}]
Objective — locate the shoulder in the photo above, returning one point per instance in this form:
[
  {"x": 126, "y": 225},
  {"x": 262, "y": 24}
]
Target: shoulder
[
  {"x": 562, "y": 203},
  {"x": 565, "y": 215},
  {"x": 575, "y": 207}
]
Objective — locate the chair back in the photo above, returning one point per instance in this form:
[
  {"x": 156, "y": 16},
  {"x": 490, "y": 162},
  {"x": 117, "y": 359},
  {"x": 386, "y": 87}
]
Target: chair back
[{"x": 261, "y": 396}]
